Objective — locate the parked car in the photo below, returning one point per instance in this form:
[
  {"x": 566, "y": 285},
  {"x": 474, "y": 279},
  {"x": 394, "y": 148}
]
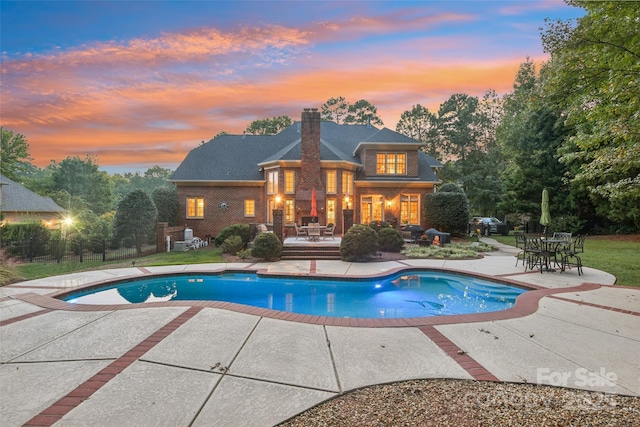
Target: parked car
[{"x": 494, "y": 224}]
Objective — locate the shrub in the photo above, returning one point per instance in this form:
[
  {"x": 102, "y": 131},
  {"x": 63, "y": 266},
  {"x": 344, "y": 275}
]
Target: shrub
[
  {"x": 390, "y": 240},
  {"x": 447, "y": 211},
  {"x": 378, "y": 225},
  {"x": 451, "y": 251},
  {"x": 25, "y": 231},
  {"x": 266, "y": 246},
  {"x": 241, "y": 230},
  {"x": 244, "y": 253},
  {"x": 232, "y": 245},
  {"x": 359, "y": 243},
  {"x": 450, "y": 187}
]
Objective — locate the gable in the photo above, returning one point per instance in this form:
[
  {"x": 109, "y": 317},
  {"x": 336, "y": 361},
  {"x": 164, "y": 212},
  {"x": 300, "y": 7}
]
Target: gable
[{"x": 16, "y": 198}]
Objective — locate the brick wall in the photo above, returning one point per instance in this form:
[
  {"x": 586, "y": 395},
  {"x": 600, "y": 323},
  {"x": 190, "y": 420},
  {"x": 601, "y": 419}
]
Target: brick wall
[
  {"x": 369, "y": 160},
  {"x": 311, "y": 173},
  {"x": 215, "y": 218}
]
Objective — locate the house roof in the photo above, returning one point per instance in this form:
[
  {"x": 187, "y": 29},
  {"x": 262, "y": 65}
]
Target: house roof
[
  {"x": 242, "y": 157},
  {"x": 16, "y": 198}
]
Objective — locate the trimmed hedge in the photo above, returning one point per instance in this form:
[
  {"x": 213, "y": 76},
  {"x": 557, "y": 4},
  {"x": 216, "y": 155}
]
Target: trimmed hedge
[
  {"x": 266, "y": 246},
  {"x": 232, "y": 245},
  {"x": 447, "y": 211},
  {"x": 359, "y": 243},
  {"x": 241, "y": 230},
  {"x": 390, "y": 240}
]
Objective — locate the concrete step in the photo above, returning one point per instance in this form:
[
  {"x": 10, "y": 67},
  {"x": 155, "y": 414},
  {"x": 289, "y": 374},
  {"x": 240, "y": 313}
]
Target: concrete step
[{"x": 310, "y": 252}]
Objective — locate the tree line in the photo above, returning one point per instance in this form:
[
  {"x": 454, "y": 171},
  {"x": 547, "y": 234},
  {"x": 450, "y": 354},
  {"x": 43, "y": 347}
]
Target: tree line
[{"x": 571, "y": 125}]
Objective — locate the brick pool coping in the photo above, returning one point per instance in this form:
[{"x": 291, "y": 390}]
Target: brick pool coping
[{"x": 526, "y": 303}]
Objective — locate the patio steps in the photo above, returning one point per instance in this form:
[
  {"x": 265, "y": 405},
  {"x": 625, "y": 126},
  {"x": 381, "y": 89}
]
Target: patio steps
[{"x": 310, "y": 252}]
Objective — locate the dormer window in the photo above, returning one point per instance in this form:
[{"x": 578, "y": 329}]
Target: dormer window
[{"x": 391, "y": 163}]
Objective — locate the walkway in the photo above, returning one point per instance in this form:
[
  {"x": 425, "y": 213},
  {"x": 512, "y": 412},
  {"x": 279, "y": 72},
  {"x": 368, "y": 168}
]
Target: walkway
[{"x": 213, "y": 364}]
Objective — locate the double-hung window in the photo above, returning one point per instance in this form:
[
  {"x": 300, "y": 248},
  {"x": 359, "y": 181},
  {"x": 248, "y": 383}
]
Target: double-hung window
[
  {"x": 195, "y": 207},
  {"x": 289, "y": 211},
  {"x": 347, "y": 183},
  {"x": 331, "y": 182},
  {"x": 272, "y": 182},
  {"x": 249, "y": 208},
  {"x": 289, "y": 182},
  {"x": 409, "y": 209}
]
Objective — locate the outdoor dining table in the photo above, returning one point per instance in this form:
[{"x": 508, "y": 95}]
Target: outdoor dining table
[
  {"x": 314, "y": 238},
  {"x": 549, "y": 248}
]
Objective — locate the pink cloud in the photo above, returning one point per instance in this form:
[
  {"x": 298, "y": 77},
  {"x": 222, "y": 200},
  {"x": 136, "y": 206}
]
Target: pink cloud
[{"x": 155, "y": 99}]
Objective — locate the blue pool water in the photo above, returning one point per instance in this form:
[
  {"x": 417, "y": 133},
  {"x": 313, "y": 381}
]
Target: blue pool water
[{"x": 407, "y": 294}]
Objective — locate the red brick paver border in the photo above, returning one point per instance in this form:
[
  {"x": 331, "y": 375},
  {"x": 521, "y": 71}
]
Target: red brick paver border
[
  {"x": 466, "y": 362},
  {"x": 56, "y": 411}
]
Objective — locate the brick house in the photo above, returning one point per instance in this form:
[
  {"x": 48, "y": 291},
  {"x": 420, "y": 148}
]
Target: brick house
[
  {"x": 368, "y": 173},
  {"x": 18, "y": 204}
]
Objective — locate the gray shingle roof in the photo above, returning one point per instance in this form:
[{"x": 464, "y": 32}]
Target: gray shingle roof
[
  {"x": 16, "y": 198},
  {"x": 237, "y": 157}
]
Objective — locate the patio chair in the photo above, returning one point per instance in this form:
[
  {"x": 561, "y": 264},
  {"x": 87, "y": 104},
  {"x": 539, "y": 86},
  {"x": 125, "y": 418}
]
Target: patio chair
[
  {"x": 329, "y": 231},
  {"x": 532, "y": 252},
  {"x": 520, "y": 244},
  {"x": 563, "y": 236},
  {"x": 300, "y": 232},
  {"x": 573, "y": 251},
  {"x": 263, "y": 229}
]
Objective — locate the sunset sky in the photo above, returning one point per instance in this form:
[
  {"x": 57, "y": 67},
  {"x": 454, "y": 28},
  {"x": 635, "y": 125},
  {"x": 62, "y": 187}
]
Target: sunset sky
[{"x": 140, "y": 83}]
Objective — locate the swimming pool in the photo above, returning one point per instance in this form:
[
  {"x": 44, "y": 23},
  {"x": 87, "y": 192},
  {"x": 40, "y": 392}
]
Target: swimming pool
[{"x": 405, "y": 294}]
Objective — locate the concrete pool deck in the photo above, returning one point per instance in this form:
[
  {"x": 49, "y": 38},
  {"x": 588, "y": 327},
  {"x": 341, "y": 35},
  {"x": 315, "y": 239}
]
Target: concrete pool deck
[{"x": 213, "y": 364}]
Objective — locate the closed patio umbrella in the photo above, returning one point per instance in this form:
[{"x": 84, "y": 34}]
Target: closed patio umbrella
[
  {"x": 545, "y": 217},
  {"x": 314, "y": 211}
]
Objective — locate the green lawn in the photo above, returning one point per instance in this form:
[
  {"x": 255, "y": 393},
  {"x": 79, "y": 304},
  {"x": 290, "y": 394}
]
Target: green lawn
[
  {"x": 37, "y": 270},
  {"x": 613, "y": 254},
  {"x": 608, "y": 253}
]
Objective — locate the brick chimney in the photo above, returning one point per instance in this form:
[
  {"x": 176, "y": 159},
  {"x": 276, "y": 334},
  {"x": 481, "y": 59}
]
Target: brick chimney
[{"x": 311, "y": 177}]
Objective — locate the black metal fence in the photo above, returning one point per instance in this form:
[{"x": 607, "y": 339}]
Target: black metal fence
[{"x": 73, "y": 250}]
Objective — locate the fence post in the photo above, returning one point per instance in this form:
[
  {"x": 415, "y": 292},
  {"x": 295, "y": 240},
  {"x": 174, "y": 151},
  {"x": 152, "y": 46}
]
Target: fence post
[
  {"x": 104, "y": 250},
  {"x": 81, "y": 250},
  {"x": 31, "y": 249}
]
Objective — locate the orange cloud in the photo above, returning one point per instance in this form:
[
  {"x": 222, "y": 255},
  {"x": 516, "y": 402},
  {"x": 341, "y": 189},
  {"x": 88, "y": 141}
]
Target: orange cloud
[{"x": 149, "y": 101}]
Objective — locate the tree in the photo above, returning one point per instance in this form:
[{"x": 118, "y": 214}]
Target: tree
[
  {"x": 595, "y": 78},
  {"x": 82, "y": 178},
  {"x": 467, "y": 130},
  {"x": 422, "y": 125},
  {"x": 447, "y": 210},
  {"x": 362, "y": 113},
  {"x": 167, "y": 204},
  {"x": 135, "y": 218},
  {"x": 271, "y": 126},
  {"x": 335, "y": 109},
  {"x": 458, "y": 134},
  {"x": 14, "y": 154},
  {"x": 530, "y": 133},
  {"x": 153, "y": 178}
]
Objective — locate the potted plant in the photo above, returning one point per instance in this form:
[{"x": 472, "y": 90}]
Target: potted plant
[{"x": 424, "y": 240}]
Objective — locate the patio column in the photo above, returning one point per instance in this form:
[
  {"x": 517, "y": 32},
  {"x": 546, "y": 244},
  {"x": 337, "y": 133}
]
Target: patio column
[
  {"x": 278, "y": 223},
  {"x": 347, "y": 220}
]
